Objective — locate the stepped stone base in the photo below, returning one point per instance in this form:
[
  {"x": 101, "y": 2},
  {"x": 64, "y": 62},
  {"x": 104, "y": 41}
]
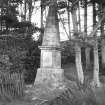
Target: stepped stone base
[{"x": 51, "y": 77}]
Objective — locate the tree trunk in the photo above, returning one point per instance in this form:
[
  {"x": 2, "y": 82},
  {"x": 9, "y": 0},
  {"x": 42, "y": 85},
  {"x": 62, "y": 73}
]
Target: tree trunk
[
  {"x": 96, "y": 80},
  {"x": 68, "y": 13},
  {"x": 103, "y": 53},
  {"x": 74, "y": 19},
  {"x": 94, "y": 14},
  {"x": 87, "y": 55},
  {"x": 42, "y": 26},
  {"x": 79, "y": 17},
  {"x": 87, "y": 50},
  {"x": 77, "y": 48},
  {"x": 79, "y": 63},
  {"x": 102, "y": 34},
  {"x": 85, "y": 18},
  {"x": 30, "y": 10},
  {"x": 25, "y": 9},
  {"x": 1, "y": 20}
]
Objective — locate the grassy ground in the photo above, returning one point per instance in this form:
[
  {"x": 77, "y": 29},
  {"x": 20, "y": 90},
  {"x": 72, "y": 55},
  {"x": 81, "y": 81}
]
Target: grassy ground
[
  {"x": 85, "y": 94},
  {"x": 74, "y": 94}
]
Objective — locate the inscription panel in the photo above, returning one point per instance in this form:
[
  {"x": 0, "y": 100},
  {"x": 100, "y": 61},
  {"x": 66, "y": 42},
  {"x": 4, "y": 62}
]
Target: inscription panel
[{"x": 47, "y": 59}]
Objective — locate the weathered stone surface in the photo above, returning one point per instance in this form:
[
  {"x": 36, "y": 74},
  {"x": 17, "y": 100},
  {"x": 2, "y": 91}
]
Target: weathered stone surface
[
  {"x": 51, "y": 35},
  {"x": 50, "y": 58},
  {"x": 53, "y": 78}
]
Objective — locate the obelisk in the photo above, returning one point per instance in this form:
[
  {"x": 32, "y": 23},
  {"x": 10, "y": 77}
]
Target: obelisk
[{"x": 50, "y": 72}]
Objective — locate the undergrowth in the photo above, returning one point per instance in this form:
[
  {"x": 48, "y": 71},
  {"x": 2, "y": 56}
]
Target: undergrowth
[{"x": 79, "y": 95}]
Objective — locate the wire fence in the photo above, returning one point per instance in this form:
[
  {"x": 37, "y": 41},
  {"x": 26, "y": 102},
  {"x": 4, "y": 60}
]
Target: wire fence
[{"x": 11, "y": 85}]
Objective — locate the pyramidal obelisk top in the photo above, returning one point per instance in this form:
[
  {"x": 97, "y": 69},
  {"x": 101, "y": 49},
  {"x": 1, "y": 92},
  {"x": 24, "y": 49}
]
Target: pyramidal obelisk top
[{"x": 51, "y": 33}]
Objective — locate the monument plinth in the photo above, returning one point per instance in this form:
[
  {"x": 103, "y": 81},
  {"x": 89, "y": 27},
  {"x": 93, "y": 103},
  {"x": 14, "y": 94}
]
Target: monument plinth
[{"x": 50, "y": 72}]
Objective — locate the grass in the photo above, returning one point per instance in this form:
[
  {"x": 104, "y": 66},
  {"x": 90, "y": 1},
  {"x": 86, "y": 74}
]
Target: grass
[{"x": 74, "y": 94}]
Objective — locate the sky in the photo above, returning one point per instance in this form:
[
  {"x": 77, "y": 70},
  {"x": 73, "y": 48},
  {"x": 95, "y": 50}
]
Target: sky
[{"x": 36, "y": 16}]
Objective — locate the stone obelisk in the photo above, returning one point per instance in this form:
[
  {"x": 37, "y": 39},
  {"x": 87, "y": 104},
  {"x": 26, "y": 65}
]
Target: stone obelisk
[{"x": 50, "y": 72}]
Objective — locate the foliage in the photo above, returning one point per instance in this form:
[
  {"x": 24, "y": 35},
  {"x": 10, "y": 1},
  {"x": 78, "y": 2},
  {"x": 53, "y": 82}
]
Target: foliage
[
  {"x": 12, "y": 48},
  {"x": 32, "y": 62},
  {"x": 75, "y": 94},
  {"x": 23, "y": 55},
  {"x": 9, "y": 13},
  {"x": 22, "y": 51},
  {"x": 68, "y": 53}
]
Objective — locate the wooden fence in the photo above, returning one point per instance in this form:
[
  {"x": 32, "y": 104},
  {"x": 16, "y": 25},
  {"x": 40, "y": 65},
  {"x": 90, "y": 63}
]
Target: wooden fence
[{"x": 11, "y": 85}]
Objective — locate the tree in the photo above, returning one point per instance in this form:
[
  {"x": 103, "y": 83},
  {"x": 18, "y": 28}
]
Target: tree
[
  {"x": 103, "y": 53},
  {"x": 102, "y": 11},
  {"x": 8, "y": 13},
  {"x": 77, "y": 47},
  {"x": 79, "y": 63},
  {"x": 87, "y": 49},
  {"x": 96, "y": 80},
  {"x": 87, "y": 55}
]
